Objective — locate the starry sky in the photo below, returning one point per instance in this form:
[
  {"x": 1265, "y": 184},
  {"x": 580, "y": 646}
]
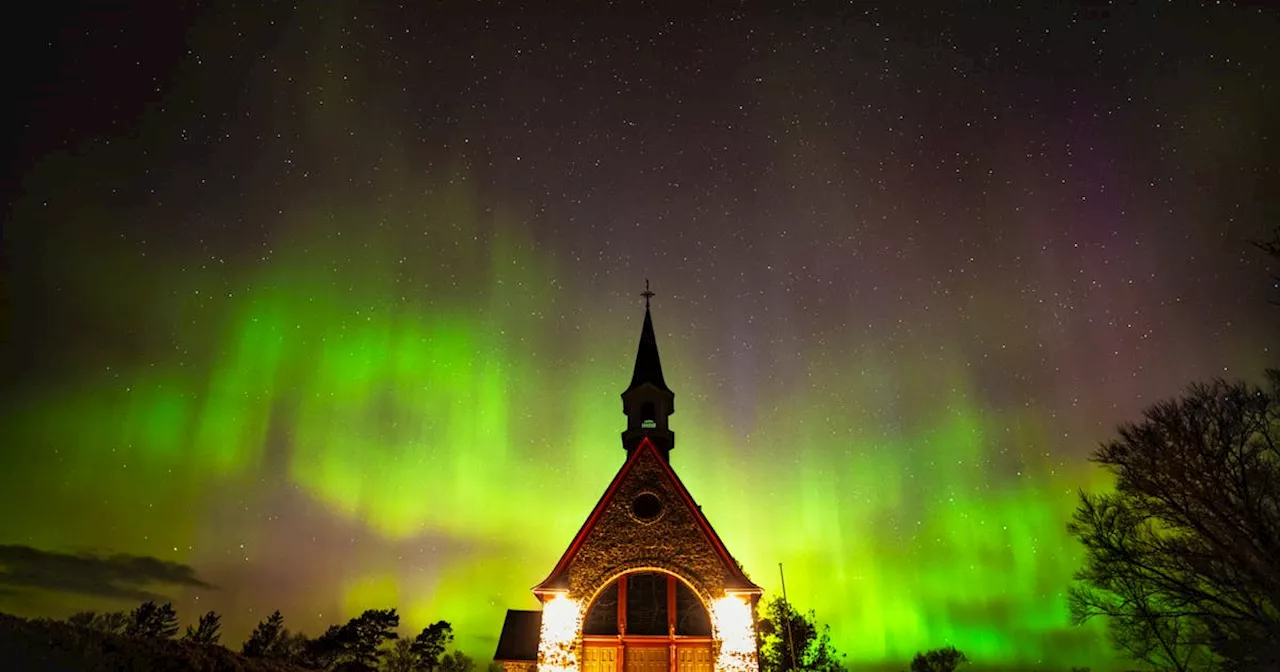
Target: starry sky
[{"x": 327, "y": 307}]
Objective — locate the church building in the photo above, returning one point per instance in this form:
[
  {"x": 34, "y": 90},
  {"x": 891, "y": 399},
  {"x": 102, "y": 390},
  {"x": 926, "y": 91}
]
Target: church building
[{"x": 646, "y": 585}]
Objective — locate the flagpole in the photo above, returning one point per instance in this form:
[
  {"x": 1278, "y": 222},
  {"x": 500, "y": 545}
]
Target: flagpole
[{"x": 791, "y": 644}]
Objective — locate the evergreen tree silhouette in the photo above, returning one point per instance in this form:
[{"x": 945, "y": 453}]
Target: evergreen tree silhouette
[
  {"x": 206, "y": 631},
  {"x": 266, "y": 638},
  {"x": 152, "y": 621}
]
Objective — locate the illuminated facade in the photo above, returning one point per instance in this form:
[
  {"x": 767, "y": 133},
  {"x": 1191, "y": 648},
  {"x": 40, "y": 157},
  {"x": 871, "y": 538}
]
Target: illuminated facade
[{"x": 646, "y": 585}]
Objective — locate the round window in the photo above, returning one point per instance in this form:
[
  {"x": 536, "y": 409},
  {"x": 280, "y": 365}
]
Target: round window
[{"x": 646, "y": 507}]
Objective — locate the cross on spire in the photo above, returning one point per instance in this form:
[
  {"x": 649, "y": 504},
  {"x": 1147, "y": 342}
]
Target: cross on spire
[{"x": 646, "y": 294}]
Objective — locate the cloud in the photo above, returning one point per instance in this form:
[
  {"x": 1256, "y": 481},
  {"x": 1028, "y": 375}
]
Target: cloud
[{"x": 118, "y": 576}]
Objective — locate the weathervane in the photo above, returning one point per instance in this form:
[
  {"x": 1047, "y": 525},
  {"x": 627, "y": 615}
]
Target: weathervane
[{"x": 646, "y": 294}]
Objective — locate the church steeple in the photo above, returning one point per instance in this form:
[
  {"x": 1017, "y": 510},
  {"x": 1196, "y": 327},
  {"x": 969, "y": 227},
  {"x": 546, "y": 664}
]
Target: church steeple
[{"x": 647, "y": 402}]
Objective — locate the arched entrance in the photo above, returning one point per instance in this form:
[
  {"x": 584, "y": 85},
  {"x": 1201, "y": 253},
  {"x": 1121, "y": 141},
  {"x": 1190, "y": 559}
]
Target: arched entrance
[{"x": 647, "y": 621}]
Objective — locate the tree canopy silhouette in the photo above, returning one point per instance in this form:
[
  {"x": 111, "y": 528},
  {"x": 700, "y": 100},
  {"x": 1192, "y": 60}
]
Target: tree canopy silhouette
[
  {"x": 151, "y": 620},
  {"x": 400, "y": 658},
  {"x": 946, "y": 659},
  {"x": 365, "y": 634},
  {"x": 1183, "y": 558},
  {"x": 265, "y": 640},
  {"x": 135, "y": 640},
  {"x": 430, "y": 644},
  {"x": 810, "y": 641},
  {"x": 110, "y": 621},
  {"x": 356, "y": 645},
  {"x": 456, "y": 661},
  {"x": 326, "y": 650},
  {"x": 206, "y": 631}
]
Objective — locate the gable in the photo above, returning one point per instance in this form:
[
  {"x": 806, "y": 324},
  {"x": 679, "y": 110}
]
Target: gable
[{"x": 646, "y": 519}]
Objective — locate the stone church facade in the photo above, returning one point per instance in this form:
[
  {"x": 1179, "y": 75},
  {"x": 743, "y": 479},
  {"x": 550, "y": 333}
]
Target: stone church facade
[{"x": 646, "y": 585}]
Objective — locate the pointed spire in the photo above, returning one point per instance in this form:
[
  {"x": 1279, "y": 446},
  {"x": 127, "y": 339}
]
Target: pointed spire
[
  {"x": 648, "y": 401},
  {"x": 648, "y": 367}
]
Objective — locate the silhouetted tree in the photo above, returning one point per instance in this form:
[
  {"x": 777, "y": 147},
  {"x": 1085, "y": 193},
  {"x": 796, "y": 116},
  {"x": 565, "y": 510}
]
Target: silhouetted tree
[
  {"x": 111, "y": 621},
  {"x": 364, "y": 636},
  {"x": 356, "y": 646},
  {"x": 456, "y": 661},
  {"x": 946, "y": 659},
  {"x": 265, "y": 640},
  {"x": 1183, "y": 559},
  {"x": 150, "y": 620},
  {"x": 292, "y": 647},
  {"x": 782, "y": 630},
  {"x": 429, "y": 646},
  {"x": 401, "y": 658},
  {"x": 326, "y": 650},
  {"x": 811, "y": 642},
  {"x": 206, "y": 632},
  {"x": 82, "y": 619}
]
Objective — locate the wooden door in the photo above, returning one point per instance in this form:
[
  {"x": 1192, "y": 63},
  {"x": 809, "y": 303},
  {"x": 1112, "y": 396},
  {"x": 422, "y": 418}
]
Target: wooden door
[
  {"x": 694, "y": 658},
  {"x": 597, "y": 658},
  {"x": 647, "y": 658}
]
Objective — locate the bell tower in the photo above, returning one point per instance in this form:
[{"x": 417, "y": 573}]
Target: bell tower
[
  {"x": 648, "y": 402},
  {"x": 646, "y": 585}
]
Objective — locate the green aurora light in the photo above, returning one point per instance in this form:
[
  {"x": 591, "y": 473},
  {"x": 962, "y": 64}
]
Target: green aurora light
[
  {"x": 390, "y": 385},
  {"x": 406, "y": 413}
]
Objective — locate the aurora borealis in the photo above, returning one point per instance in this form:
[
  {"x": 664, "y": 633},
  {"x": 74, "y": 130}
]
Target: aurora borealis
[{"x": 334, "y": 305}]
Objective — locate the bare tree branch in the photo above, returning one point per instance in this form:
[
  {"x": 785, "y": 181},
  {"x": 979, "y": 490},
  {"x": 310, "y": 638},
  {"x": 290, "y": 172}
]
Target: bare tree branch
[{"x": 1183, "y": 559}]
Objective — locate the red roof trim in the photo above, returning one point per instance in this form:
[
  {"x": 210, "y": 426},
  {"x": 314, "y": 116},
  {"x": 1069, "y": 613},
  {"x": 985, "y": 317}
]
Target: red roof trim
[
  {"x": 703, "y": 523},
  {"x": 591, "y": 520}
]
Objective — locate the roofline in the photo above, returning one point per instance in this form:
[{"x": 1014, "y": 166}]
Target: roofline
[
  {"x": 590, "y": 522},
  {"x": 543, "y": 588},
  {"x": 705, "y": 524}
]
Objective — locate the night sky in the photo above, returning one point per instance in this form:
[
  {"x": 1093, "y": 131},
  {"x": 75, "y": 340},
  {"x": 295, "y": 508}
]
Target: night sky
[{"x": 328, "y": 307}]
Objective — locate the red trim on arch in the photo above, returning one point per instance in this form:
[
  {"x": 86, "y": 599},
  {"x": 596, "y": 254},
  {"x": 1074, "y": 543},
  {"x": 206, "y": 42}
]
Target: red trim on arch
[{"x": 557, "y": 580}]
